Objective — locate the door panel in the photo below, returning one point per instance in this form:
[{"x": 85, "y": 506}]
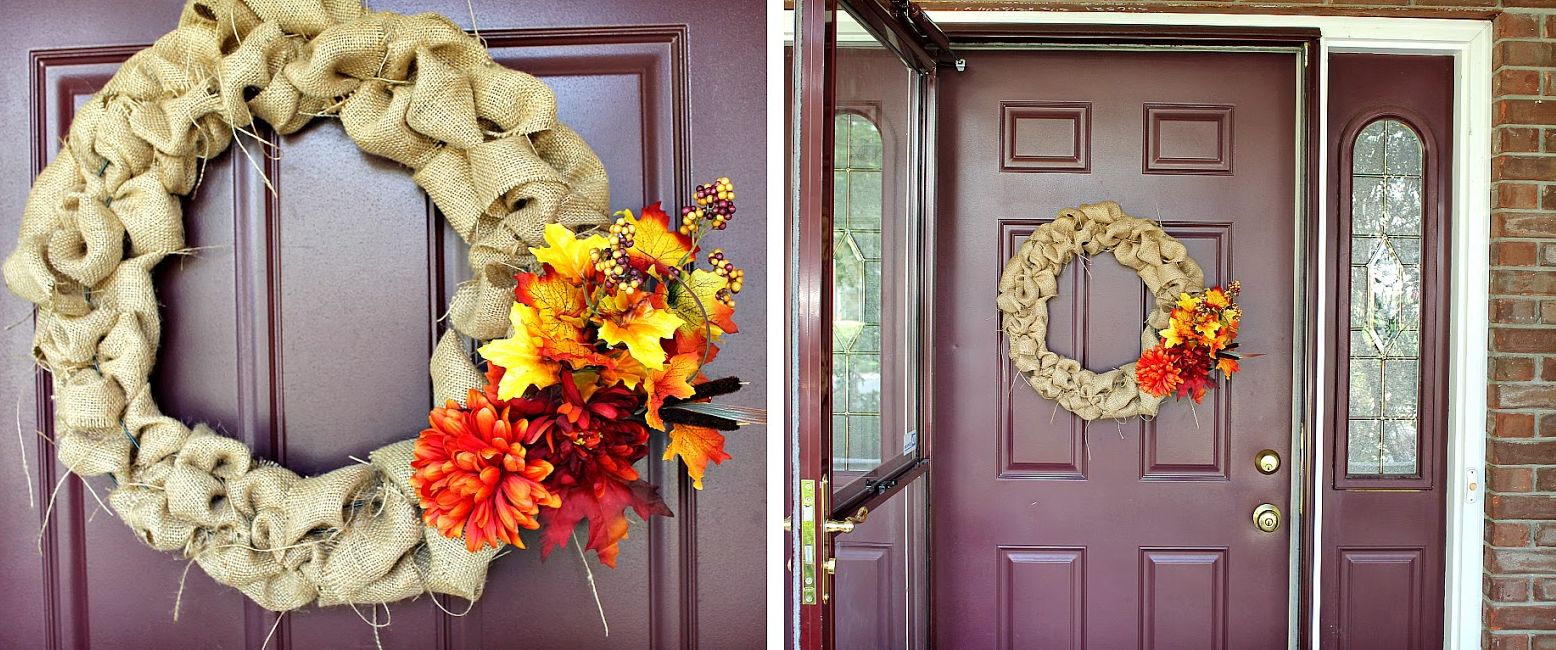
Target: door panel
[
  {"x": 1054, "y": 532},
  {"x": 254, "y": 342}
]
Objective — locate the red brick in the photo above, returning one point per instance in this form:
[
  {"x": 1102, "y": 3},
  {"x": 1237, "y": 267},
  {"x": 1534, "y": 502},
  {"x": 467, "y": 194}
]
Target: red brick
[
  {"x": 1550, "y": 134},
  {"x": 1507, "y": 534},
  {"x": 1523, "y": 168},
  {"x": 1543, "y": 643},
  {"x": 1508, "y": 590},
  {"x": 1510, "y": 506},
  {"x": 1514, "y": 25},
  {"x": 1523, "y": 340},
  {"x": 1548, "y": 426},
  {"x": 1523, "y": 396},
  {"x": 1507, "y": 642},
  {"x": 1545, "y": 535},
  {"x": 1512, "y": 425},
  {"x": 1514, "y": 311},
  {"x": 1545, "y": 589},
  {"x": 1545, "y": 479},
  {"x": 1521, "y": 617},
  {"x": 1548, "y": 250},
  {"x": 1517, "y": 139},
  {"x": 1523, "y": 224},
  {"x": 1523, "y": 111},
  {"x": 1548, "y": 312},
  {"x": 1532, "y": 53},
  {"x": 1515, "y": 253},
  {"x": 1509, "y": 81},
  {"x": 1524, "y": 283},
  {"x": 1529, "y": 3},
  {"x": 1523, "y": 452},
  {"x": 1513, "y": 369},
  {"x": 1548, "y": 197},
  {"x": 1510, "y": 479},
  {"x": 1550, "y": 26},
  {"x": 1548, "y": 366}
]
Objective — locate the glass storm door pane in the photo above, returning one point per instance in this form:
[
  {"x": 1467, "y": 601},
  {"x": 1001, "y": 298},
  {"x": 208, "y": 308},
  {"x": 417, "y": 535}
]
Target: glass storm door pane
[
  {"x": 874, "y": 328},
  {"x": 1385, "y": 315}
]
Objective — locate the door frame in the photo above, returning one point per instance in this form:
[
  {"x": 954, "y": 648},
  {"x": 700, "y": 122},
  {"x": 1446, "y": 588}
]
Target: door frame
[{"x": 1469, "y": 43}]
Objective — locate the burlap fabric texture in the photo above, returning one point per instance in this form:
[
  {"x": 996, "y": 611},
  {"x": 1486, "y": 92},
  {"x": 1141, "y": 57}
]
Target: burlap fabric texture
[
  {"x": 1031, "y": 278},
  {"x": 481, "y": 139}
]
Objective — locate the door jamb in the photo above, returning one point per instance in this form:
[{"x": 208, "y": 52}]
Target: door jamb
[{"x": 1469, "y": 43}]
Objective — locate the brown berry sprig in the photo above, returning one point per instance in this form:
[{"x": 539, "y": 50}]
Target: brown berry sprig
[
  {"x": 612, "y": 261},
  {"x": 735, "y": 277}
]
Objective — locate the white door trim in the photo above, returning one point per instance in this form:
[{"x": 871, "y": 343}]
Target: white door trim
[{"x": 1469, "y": 42}]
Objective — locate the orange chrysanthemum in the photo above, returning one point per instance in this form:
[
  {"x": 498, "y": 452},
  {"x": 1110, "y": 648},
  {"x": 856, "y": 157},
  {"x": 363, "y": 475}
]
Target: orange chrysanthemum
[
  {"x": 1156, "y": 373},
  {"x": 472, "y": 477}
]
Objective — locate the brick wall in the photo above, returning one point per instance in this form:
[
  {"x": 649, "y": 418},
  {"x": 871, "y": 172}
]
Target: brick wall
[{"x": 1520, "y": 581}]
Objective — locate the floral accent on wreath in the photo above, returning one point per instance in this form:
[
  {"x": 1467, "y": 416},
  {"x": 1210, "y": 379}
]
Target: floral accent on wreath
[
  {"x": 609, "y": 339},
  {"x": 1197, "y": 343}
]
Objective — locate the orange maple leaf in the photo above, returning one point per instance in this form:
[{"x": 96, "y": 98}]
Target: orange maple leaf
[
  {"x": 658, "y": 241},
  {"x": 672, "y": 381},
  {"x": 696, "y": 446}
]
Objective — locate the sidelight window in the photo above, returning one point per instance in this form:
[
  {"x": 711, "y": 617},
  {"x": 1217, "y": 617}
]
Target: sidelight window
[
  {"x": 1383, "y": 432},
  {"x": 858, "y": 164}
]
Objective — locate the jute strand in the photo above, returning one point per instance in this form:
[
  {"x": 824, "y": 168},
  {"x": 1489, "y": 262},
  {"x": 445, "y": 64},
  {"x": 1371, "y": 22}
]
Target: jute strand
[
  {"x": 1031, "y": 278},
  {"x": 481, "y": 139}
]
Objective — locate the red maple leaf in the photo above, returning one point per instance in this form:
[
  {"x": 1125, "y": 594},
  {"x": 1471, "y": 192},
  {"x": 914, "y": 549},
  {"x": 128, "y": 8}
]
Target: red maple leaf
[{"x": 605, "y": 508}]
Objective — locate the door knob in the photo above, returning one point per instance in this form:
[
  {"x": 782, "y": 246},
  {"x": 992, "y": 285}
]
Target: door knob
[
  {"x": 1266, "y": 517},
  {"x": 1267, "y": 461}
]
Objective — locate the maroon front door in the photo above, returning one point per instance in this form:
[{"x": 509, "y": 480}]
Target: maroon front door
[
  {"x": 1051, "y": 532},
  {"x": 305, "y": 335}
]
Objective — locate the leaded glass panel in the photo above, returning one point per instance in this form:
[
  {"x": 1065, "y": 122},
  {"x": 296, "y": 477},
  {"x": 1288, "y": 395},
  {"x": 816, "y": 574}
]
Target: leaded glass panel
[{"x": 1382, "y": 438}]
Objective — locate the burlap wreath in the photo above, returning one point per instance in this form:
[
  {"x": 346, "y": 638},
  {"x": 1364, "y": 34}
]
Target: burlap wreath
[
  {"x": 1031, "y": 278},
  {"x": 482, "y": 140}
]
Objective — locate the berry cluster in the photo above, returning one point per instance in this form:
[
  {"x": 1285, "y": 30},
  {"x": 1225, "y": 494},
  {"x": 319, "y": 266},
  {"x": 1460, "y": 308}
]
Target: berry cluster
[
  {"x": 715, "y": 207},
  {"x": 727, "y": 269},
  {"x": 612, "y": 262}
]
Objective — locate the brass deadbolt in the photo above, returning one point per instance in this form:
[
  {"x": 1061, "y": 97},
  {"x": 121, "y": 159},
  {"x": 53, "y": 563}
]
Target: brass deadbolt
[{"x": 1267, "y": 461}]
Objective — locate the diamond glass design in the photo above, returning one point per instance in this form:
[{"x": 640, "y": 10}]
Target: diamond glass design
[{"x": 1382, "y": 438}]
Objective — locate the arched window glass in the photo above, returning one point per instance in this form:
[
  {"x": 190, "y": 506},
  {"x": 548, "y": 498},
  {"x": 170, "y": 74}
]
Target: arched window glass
[
  {"x": 1385, "y": 301},
  {"x": 856, "y": 293}
]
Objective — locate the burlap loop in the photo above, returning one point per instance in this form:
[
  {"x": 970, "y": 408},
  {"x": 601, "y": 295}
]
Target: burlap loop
[
  {"x": 482, "y": 140},
  {"x": 1031, "y": 278}
]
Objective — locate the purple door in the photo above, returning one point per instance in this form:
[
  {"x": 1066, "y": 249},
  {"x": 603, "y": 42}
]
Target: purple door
[
  {"x": 311, "y": 345},
  {"x": 1050, "y": 532}
]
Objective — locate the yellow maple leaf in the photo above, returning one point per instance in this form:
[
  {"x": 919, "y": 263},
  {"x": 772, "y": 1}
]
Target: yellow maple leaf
[
  {"x": 672, "y": 381},
  {"x": 1170, "y": 337},
  {"x": 694, "y": 297},
  {"x": 696, "y": 446},
  {"x": 566, "y": 253},
  {"x": 521, "y": 356},
  {"x": 1209, "y": 326},
  {"x": 1188, "y": 302},
  {"x": 638, "y": 324}
]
